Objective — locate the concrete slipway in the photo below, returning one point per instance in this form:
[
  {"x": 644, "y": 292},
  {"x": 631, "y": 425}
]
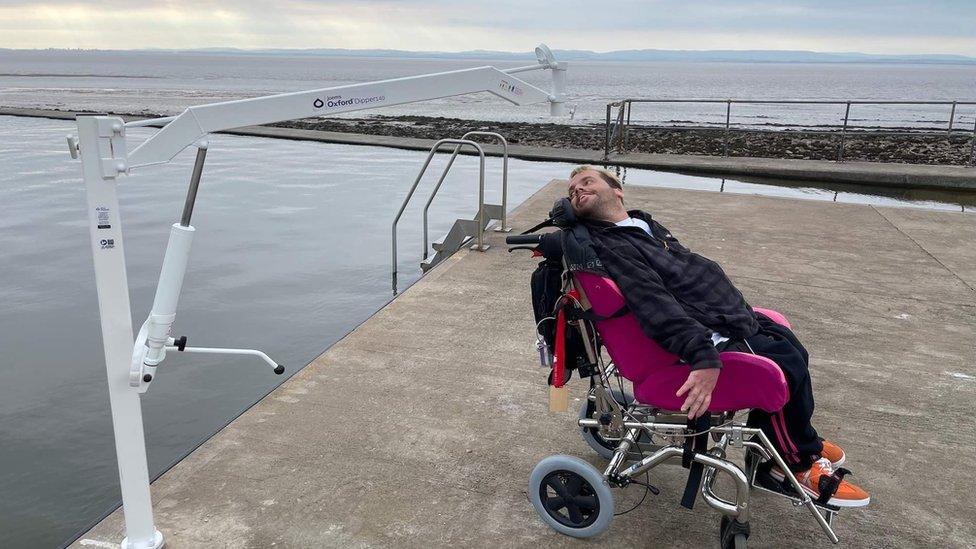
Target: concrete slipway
[{"x": 420, "y": 428}]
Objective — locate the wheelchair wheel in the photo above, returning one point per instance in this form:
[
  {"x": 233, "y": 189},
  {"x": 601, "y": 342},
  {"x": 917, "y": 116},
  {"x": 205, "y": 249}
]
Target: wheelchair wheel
[
  {"x": 571, "y": 497},
  {"x": 605, "y": 448},
  {"x": 733, "y": 534}
]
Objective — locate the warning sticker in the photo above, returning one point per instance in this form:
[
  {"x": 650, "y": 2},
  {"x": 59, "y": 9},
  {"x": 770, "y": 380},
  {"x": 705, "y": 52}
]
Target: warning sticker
[{"x": 102, "y": 217}]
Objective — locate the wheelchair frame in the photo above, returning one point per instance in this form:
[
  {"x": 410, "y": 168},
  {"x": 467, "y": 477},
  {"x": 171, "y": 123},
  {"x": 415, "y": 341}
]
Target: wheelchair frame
[{"x": 626, "y": 422}]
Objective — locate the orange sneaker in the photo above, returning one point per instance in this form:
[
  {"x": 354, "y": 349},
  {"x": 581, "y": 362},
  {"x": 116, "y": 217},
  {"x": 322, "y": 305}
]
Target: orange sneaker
[
  {"x": 820, "y": 476},
  {"x": 834, "y": 453}
]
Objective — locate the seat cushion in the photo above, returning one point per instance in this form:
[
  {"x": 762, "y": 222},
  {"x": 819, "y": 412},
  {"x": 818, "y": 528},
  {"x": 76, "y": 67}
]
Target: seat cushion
[{"x": 746, "y": 381}]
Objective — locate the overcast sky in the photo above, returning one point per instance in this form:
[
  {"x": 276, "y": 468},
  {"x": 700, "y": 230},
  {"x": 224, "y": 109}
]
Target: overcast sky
[{"x": 873, "y": 26}]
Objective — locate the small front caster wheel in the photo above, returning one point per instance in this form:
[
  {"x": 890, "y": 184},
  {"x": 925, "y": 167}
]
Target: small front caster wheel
[
  {"x": 571, "y": 496},
  {"x": 733, "y": 534}
]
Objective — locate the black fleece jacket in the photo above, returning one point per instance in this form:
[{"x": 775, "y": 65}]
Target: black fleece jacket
[{"x": 678, "y": 296}]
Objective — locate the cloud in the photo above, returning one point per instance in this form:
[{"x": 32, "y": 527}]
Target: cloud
[{"x": 895, "y": 26}]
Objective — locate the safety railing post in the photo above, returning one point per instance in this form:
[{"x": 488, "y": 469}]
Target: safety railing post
[
  {"x": 630, "y": 105},
  {"x": 728, "y": 123},
  {"x": 481, "y": 202},
  {"x": 617, "y": 125},
  {"x": 616, "y": 136},
  {"x": 504, "y": 228},
  {"x": 843, "y": 133},
  {"x": 952, "y": 116},
  {"x": 972, "y": 147}
]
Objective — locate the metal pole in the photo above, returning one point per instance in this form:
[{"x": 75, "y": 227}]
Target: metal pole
[
  {"x": 481, "y": 201},
  {"x": 403, "y": 206},
  {"x": 728, "y": 121},
  {"x": 433, "y": 193},
  {"x": 952, "y": 115},
  {"x": 618, "y": 127},
  {"x": 504, "y": 228},
  {"x": 630, "y": 106},
  {"x": 413, "y": 188},
  {"x": 843, "y": 133},
  {"x": 191, "y": 193},
  {"x": 98, "y": 137},
  {"x": 972, "y": 147},
  {"x": 606, "y": 139}
]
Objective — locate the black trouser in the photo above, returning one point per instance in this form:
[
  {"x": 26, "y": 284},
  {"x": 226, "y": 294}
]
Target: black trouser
[{"x": 788, "y": 429}]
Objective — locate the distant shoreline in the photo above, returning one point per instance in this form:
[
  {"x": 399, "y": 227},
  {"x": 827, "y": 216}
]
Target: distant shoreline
[{"x": 619, "y": 56}]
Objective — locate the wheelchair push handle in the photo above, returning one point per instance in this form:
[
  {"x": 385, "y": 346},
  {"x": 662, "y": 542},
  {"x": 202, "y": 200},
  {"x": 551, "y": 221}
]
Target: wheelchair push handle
[{"x": 523, "y": 239}]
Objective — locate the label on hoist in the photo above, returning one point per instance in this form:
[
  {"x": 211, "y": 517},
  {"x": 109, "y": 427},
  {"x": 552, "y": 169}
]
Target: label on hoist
[{"x": 102, "y": 217}]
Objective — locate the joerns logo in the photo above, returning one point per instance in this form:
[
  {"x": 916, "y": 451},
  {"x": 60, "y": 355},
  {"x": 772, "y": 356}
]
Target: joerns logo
[{"x": 336, "y": 101}]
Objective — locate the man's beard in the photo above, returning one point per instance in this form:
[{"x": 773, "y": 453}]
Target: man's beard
[{"x": 594, "y": 208}]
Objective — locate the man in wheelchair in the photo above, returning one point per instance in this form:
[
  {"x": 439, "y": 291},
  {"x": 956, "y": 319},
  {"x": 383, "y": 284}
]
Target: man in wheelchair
[{"x": 687, "y": 304}]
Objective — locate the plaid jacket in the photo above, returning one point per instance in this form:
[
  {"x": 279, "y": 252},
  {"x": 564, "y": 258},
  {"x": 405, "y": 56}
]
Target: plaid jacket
[{"x": 678, "y": 296}]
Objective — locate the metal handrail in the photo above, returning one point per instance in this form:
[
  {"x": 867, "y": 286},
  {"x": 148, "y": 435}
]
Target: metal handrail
[
  {"x": 481, "y": 193},
  {"x": 617, "y": 131},
  {"x": 798, "y": 101},
  {"x": 457, "y": 149}
]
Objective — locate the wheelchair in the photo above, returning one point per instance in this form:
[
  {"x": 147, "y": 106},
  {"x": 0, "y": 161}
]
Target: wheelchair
[{"x": 640, "y": 429}]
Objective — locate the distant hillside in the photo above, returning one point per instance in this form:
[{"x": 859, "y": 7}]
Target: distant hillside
[
  {"x": 722, "y": 56},
  {"x": 685, "y": 56}
]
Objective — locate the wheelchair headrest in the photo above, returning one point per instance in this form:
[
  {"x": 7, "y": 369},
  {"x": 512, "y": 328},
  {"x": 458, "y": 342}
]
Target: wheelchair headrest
[{"x": 562, "y": 214}]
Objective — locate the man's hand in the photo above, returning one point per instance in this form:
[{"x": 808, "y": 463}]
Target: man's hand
[{"x": 699, "y": 387}]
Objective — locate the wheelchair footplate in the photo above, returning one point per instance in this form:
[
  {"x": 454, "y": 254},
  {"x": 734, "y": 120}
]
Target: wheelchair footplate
[{"x": 758, "y": 473}]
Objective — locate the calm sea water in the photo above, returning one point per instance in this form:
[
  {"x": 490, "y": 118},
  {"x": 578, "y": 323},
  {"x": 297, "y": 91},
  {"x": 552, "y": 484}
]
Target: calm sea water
[
  {"x": 290, "y": 255},
  {"x": 168, "y": 82}
]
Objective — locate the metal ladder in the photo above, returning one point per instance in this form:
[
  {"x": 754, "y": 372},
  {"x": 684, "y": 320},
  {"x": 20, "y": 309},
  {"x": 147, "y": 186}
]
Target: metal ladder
[{"x": 463, "y": 230}]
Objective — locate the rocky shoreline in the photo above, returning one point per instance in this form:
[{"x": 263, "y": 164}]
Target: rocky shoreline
[
  {"x": 909, "y": 149},
  {"x": 937, "y": 149}
]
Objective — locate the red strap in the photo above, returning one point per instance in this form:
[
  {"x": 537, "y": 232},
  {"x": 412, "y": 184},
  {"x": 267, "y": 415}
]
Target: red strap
[{"x": 558, "y": 361}]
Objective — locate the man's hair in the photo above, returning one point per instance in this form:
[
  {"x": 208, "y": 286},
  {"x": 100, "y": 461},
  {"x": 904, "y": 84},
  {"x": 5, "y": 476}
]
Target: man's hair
[{"x": 608, "y": 176}]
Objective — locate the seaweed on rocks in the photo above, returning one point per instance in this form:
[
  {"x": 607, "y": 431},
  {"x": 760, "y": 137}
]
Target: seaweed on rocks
[{"x": 911, "y": 149}]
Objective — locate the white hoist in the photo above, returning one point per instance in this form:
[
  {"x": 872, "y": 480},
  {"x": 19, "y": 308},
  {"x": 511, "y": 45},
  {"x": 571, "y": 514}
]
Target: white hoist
[{"x": 101, "y": 145}]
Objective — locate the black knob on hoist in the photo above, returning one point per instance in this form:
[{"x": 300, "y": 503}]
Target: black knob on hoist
[
  {"x": 279, "y": 369},
  {"x": 147, "y": 378},
  {"x": 180, "y": 343}
]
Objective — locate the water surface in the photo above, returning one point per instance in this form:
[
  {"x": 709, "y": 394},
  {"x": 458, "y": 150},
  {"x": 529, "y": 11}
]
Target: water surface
[{"x": 161, "y": 82}]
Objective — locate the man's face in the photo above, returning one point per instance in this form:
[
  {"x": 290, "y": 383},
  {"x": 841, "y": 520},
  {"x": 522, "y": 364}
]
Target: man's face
[{"x": 591, "y": 196}]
